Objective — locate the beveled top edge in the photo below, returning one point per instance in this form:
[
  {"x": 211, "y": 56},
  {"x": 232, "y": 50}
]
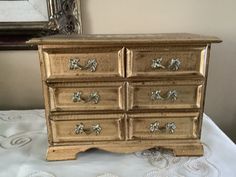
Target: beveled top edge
[{"x": 126, "y": 38}]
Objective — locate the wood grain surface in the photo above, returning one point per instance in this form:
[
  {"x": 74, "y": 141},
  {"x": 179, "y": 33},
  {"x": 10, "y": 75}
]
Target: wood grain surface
[{"x": 125, "y": 81}]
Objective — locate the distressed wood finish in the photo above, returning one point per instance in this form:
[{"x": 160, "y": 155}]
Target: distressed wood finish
[
  {"x": 186, "y": 126},
  {"x": 110, "y": 63},
  {"x": 136, "y": 39},
  {"x": 112, "y": 128},
  {"x": 139, "y": 106},
  {"x": 192, "y": 61},
  {"x": 189, "y": 95},
  {"x": 180, "y": 148},
  {"x": 111, "y": 96}
]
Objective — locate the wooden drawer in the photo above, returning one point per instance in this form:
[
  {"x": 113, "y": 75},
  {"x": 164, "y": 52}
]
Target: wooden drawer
[
  {"x": 71, "y": 128},
  {"x": 164, "y": 95},
  {"x": 163, "y": 126},
  {"x": 166, "y": 61},
  {"x": 84, "y": 63},
  {"x": 86, "y": 96}
]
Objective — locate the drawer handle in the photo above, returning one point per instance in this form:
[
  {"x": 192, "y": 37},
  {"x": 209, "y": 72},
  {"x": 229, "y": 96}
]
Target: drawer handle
[
  {"x": 174, "y": 64},
  {"x": 169, "y": 127},
  {"x": 91, "y": 65},
  {"x": 80, "y": 129},
  {"x": 94, "y": 97},
  {"x": 170, "y": 95}
]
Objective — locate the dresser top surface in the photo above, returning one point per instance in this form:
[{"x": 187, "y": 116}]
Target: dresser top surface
[{"x": 126, "y": 38}]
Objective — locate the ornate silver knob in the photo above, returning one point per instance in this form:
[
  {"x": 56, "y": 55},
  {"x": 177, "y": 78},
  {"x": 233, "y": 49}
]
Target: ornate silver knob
[
  {"x": 174, "y": 64},
  {"x": 168, "y": 127},
  {"x": 94, "y": 97},
  {"x": 170, "y": 95},
  {"x": 97, "y": 129},
  {"x": 154, "y": 127},
  {"x": 171, "y": 127},
  {"x": 80, "y": 129},
  {"x": 91, "y": 65},
  {"x": 156, "y": 64}
]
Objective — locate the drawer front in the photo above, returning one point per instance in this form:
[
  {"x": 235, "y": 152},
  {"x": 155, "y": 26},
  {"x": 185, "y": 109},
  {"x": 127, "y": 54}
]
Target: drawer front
[
  {"x": 164, "y": 95},
  {"x": 87, "y": 97},
  {"x": 84, "y": 63},
  {"x": 163, "y": 126},
  {"x": 152, "y": 62},
  {"x": 70, "y": 128}
]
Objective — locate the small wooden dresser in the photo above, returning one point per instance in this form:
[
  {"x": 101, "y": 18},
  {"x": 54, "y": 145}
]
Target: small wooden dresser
[{"x": 124, "y": 93}]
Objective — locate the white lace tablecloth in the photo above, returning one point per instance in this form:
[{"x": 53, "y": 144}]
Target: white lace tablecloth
[{"x": 23, "y": 144}]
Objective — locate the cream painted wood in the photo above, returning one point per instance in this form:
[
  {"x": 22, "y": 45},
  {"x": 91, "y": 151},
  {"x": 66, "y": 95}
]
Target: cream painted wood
[{"x": 192, "y": 61}]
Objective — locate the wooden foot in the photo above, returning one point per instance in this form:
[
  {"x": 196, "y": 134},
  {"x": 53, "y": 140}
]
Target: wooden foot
[
  {"x": 67, "y": 152},
  {"x": 63, "y": 153},
  {"x": 188, "y": 150}
]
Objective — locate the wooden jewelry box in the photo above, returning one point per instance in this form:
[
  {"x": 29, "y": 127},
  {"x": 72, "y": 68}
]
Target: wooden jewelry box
[{"x": 124, "y": 93}]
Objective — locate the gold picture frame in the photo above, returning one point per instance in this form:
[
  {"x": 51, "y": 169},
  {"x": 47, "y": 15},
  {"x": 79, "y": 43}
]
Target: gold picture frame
[{"x": 64, "y": 17}]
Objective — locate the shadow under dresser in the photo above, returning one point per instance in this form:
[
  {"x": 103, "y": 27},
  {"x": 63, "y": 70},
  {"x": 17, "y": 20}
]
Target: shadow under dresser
[{"x": 124, "y": 93}]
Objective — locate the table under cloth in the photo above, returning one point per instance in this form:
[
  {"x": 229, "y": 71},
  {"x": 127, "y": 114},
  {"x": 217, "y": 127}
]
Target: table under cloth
[{"x": 23, "y": 145}]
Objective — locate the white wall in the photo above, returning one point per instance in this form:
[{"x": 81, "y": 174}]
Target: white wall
[
  {"x": 20, "y": 86},
  {"x": 211, "y": 17}
]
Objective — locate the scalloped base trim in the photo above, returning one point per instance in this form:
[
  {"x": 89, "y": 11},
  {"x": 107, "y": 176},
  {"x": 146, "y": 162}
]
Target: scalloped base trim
[{"x": 70, "y": 152}]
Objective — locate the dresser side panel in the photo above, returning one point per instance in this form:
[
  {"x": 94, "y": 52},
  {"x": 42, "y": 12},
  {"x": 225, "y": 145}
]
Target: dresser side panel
[{"x": 45, "y": 92}]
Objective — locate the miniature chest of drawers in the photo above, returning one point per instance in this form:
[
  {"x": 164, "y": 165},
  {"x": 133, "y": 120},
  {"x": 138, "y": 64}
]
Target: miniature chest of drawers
[{"x": 124, "y": 93}]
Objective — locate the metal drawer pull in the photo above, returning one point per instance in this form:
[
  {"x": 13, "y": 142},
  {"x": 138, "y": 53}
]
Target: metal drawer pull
[
  {"x": 170, "y": 95},
  {"x": 94, "y": 97},
  {"x": 156, "y": 64},
  {"x": 80, "y": 128},
  {"x": 169, "y": 127},
  {"x": 91, "y": 65},
  {"x": 174, "y": 64}
]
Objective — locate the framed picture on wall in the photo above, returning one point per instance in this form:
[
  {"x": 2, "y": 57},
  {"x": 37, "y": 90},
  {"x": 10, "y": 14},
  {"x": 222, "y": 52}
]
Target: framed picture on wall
[{"x": 21, "y": 20}]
